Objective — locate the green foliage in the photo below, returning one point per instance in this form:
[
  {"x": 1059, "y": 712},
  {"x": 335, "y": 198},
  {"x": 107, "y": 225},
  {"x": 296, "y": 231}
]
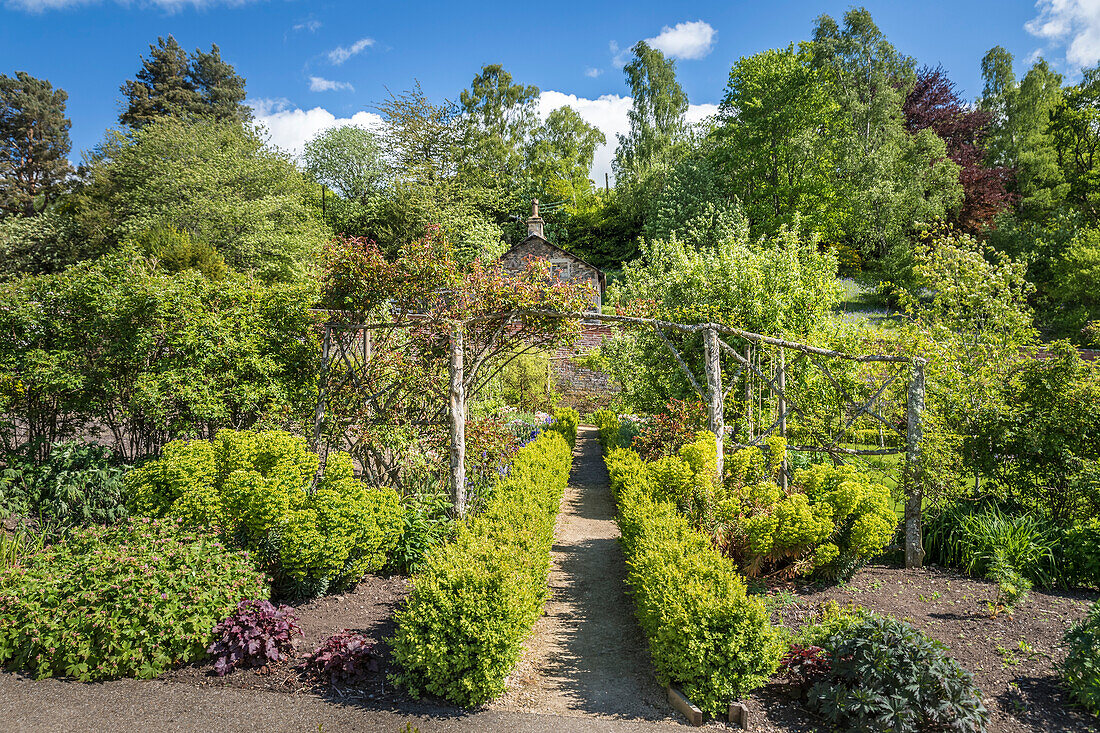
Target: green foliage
[
  {"x": 77, "y": 484},
  {"x": 172, "y": 83},
  {"x": 565, "y": 422},
  {"x": 607, "y": 429},
  {"x": 779, "y": 286},
  {"x": 1081, "y": 670},
  {"x": 34, "y": 143},
  {"x": 657, "y": 115},
  {"x": 832, "y": 519},
  {"x": 474, "y": 602},
  {"x": 427, "y": 523},
  {"x": 255, "y": 487},
  {"x": 525, "y": 383},
  {"x": 174, "y": 250},
  {"x": 216, "y": 180},
  {"x": 706, "y": 636},
  {"x": 347, "y": 159},
  {"x": 1040, "y": 445},
  {"x": 151, "y": 356},
  {"x": 885, "y": 675},
  {"x": 147, "y": 594}
]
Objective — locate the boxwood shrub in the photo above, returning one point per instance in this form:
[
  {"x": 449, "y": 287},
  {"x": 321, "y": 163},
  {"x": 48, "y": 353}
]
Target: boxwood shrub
[
  {"x": 475, "y": 600},
  {"x": 706, "y": 635},
  {"x": 255, "y": 487},
  {"x": 124, "y": 601}
]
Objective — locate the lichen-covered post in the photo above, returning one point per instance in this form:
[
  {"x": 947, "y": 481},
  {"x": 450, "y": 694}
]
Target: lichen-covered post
[
  {"x": 319, "y": 416},
  {"x": 715, "y": 418},
  {"x": 457, "y": 412},
  {"x": 914, "y": 471},
  {"x": 783, "y": 414}
]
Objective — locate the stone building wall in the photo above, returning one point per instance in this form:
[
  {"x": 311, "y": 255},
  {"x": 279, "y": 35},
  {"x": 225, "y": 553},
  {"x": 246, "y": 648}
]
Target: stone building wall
[
  {"x": 580, "y": 387},
  {"x": 565, "y": 266}
]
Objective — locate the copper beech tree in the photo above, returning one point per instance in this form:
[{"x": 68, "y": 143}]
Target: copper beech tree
[{"x": 392, "y": 327}]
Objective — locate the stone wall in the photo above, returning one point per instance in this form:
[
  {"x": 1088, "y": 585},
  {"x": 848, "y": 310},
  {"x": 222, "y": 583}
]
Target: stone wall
[
  {"x": 580, "y": 387},
  {"x": 565, "y": 266}
]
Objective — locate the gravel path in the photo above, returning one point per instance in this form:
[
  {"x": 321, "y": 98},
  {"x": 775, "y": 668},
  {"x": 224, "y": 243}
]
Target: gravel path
[{"x": 587, "y": 655}]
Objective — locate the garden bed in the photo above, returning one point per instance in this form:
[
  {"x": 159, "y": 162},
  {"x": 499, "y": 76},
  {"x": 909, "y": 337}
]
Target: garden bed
[
  {"x": 1018, "y": 682},
  {"x": 368, "y": 608}
]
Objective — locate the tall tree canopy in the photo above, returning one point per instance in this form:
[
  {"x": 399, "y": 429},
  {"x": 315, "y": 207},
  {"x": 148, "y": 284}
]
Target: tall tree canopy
[
  {"x": 935, "y": 104},
  {"x": 217, "y": 181},
  {"x": 172, "y": 83},
  {"x": 657, "y": 118},
  {"x": 560, "y": 154},
  {"x": 500, "y": 116},
  {"x": 347, "y": 159},
  {"x": 34, "y": 143}
]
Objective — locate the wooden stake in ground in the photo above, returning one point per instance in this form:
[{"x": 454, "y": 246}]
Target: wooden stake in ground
[
  {"x": 914, "y": 473},
  {"x": 715, "y": 406},
  {"x": 457, "y": 409}
]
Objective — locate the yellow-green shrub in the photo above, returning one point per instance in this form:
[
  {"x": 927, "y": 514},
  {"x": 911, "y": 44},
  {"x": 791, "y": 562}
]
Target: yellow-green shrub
[
  {"x": 565, "y": 422},
  {"x": 461, "y": 630},
  {"x": 607, "y": 426},
  {"x": 706, "y": 635},
  {"x": 255, "y": 487},
  {"x": 831, "y": 518}
]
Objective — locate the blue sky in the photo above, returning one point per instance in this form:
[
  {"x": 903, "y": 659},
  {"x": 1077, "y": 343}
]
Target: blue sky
[{"x": 313, "y": 64}]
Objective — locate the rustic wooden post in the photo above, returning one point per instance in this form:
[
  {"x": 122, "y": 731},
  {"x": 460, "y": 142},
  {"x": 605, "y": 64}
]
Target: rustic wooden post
[
  {"x": 457, "y": 409},
  {"x": 319, "y": 416},
  {"x": 914, "y": 471},
  {"x": 715, "y": 418},
  {"x": 748, "y": 391},
  {"x": 783, "y": 414}
]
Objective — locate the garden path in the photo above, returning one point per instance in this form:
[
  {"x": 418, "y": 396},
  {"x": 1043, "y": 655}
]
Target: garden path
[{"x": 586, "y": 655}]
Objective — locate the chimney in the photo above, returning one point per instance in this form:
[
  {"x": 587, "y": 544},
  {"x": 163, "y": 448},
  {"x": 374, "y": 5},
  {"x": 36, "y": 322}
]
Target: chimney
[{"x": 534, "y": 224}]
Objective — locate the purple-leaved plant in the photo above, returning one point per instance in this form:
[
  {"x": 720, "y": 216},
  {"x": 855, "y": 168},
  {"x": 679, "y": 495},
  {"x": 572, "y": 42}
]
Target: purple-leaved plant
[
  {"x": 257, "y": 633},
  {"x": 343, "y": 657}
]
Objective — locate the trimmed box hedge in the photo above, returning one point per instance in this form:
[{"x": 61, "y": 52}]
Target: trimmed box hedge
[
  {"x": 461, "y": 630},
  {"x": 706, "y": 635}
]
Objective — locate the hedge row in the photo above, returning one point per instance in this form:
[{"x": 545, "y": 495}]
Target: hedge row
[
  {"x": 706, "y": 636},
  {"x": 460, "y": 632}
]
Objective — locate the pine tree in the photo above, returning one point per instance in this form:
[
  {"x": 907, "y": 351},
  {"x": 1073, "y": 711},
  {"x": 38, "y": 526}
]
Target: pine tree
[
  {"x": 34, "y": 143},
  {"x": 172, "y": 83}
]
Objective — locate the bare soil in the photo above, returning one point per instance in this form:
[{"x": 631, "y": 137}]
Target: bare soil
[{"x": 1012, "y": 657}]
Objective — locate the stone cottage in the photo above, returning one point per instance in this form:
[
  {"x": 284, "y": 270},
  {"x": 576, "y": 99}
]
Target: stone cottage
[
  {"x": 578, "y": 386},
  {"x": 565, "y": 265}
]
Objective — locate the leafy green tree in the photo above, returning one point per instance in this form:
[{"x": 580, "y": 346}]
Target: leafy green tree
[
  {"x": 1042, "y": 444},
  {"x": 560, "y": 154},
  {"x": 215, "y": 180},
  {"x": 348, "y": 159},
  {"x": 421, "y": 137},
  {"x": 499, "y": 117},
  {"x": 1020, "y": 137},
  {"x": 779, "y": 122},
  {"x": 657, "y": 117},
  {"x": 892, "y": 182},
  {"x": 1075, "y": 128},
  {"x": 1075, "y": 282},
  {"x": 696, "y": 204},
  {"x": 34, "y": 143},
  {"x": 172, "y": 83},
  {"x": 782, "y": 286}
]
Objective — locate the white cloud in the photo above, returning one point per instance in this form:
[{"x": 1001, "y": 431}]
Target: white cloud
[
  {"x": 618, "y": 55},
  {"x": 609, "y": 114},
  {"x": 591, "y": 72},
  {"x": 340, "y": 54},
  {"x": 170, "y": 6},
  {"x": 689, "y": 40},
  {"x": 291, "y": 128},
  {"x": 310, "y": 25},
  {"x": 1074, "y": 24},
  {"x": 319, "y": 84}
]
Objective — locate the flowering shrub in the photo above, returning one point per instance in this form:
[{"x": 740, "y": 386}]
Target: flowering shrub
[
  {"x": 257, "y": 633},
  {"x": 667, "y": 432},
  {"x": 343, "y": 657},
  {"x": 124, "y": 601},
  {"x": 254, "y": 487}
]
